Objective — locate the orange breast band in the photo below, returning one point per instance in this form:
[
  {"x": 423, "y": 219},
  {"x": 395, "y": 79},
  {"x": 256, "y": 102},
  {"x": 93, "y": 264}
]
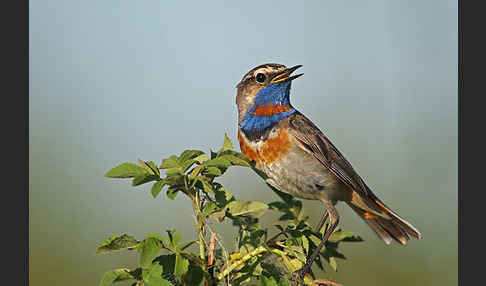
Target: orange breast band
[
  {"x": 275, "y": 148},
  {"x": 270, "y": 151},
  {"x": 249, "y": 152},
  {"x": 269, "y": 110}
]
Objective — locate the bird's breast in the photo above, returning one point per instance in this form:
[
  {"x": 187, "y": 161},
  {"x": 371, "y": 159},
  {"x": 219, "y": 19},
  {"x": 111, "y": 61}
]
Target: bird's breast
[
  {"x": 264, "y": 152},
  {"x": 288, "y": 167}
]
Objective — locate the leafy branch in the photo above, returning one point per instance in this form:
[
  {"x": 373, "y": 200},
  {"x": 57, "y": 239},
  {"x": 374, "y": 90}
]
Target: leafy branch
[{"x": 256, "y": 259}]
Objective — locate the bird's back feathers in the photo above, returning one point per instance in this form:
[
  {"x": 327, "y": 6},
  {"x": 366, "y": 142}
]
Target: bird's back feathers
[{"x": 386, "y": 223}]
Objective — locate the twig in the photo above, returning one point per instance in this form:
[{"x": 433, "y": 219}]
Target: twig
[
  {"x": 218, "y": 240},
  {"x": 325, "y": 282},
  {"x": 212, "y": 241}
]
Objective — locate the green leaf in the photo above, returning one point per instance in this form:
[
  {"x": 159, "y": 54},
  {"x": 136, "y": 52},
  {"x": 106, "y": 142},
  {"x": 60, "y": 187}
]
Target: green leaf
[
  {"x": 252, "y": 209},
  {"x": 305, "y": 243},
  {"x": 302, "y": 225},
  {"x": 117, "y": 243},
  {"x": 208, "y": 209},
  {"x": 280, "y": 206},
  {"x": 222, "y": 196},
  {"x": 201, "y": 158},
  {"x": 175, "y": 180},
  {"x": 154, "y": 167},
  {"x": 287, "y": 216},
  {"x": 267, "y": 281},
  {"x": 172, "y": 192},
  {"x": 126, "y": 170},
  {"x": 284, "y": 282},
  {"x": 204, "y": 185},
  {"x": 187, "y": 164},
  {"x": 212, "y": 171},
  {"x": 174, "y": 171},
  {"x": 294, "y": 250},
  {"x": 333, "y": 263},
  {"x": 316, "y": 241},
  {"x": 181, "y": 265},
  {"x": 272, "y": 269},
  {"x": 152, "y": 270},
  {"x": 170, "y": 162},
  {"x": 115, "y": 276},
  {"x": 156, "y": 236},
  {"x": 168, "y": 263},
  {"x": 149, "y": 248},
  {"x": 340, "y": 235},
  {"x": 189, "y": 154},
  {"x": 219, "y": 215},
  {"x": 157, "y": 187},
  {"x": 173, "y": 238},
  {"x": 227, "y": 144},
  {"x": 150, "y": 167},
  {"x": 182, "y": 246},
  {"x": 195, "y": 172},
  {"x": 291, "y": 264},
  {"x": 284, "y": 196},
  {"x": 295, "y": 233},
  {"x": 153, "y": 276},
  {"x": 139, "y": 180},
  {"x": 195, "y": 276},
  {"x": 218, "y": 162},
  {"x": 235, "y": 161},
  {"x": 176, "y": 238}
]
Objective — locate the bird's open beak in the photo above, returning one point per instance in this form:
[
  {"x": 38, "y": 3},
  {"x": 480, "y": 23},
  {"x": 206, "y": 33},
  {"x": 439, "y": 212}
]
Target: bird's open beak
[{"x": 284, "y": 76}]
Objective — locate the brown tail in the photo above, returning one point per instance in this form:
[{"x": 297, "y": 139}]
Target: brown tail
[{"x": 387, "y": 225}]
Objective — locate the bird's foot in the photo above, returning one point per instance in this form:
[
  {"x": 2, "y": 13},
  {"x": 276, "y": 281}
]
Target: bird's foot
[{"x": 298, "y": 276}]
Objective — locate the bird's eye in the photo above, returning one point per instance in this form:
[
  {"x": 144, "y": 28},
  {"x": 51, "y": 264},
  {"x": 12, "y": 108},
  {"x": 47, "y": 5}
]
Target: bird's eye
[{"x": 261, "y": 78}]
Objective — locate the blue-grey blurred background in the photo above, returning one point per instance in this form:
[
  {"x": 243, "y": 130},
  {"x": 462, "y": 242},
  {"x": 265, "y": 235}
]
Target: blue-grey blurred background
[{"x": 114, "y": 81}]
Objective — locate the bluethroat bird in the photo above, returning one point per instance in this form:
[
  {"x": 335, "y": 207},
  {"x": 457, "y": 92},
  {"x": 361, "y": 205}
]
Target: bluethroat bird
[{"x": 295, "y": 157}]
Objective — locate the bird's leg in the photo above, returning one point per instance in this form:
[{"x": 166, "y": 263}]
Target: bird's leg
[
  {"x": 298, "y": 276},
  {"x": 321, "y": 223}
]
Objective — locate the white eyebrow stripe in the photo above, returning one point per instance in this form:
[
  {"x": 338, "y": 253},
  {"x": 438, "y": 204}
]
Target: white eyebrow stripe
[{"x": 267, "y": 70}]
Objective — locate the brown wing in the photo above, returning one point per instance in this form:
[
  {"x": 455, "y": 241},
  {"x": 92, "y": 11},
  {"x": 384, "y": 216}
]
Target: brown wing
[{"x": 314, "y": 141}]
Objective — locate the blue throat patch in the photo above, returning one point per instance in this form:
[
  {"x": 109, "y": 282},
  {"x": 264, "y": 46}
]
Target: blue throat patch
[{"x": 274, "y": 94}]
